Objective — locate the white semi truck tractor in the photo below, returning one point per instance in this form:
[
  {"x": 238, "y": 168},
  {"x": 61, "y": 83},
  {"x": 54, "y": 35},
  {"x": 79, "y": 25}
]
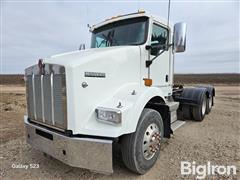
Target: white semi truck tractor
[{"x": 119, "y": 91}]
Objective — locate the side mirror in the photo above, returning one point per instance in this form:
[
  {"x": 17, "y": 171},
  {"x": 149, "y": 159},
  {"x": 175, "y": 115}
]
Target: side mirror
[
  {"x": 82, "y": 47},
  {"x": 179, "y": 37},
  {"x": 155, "y": 47}
]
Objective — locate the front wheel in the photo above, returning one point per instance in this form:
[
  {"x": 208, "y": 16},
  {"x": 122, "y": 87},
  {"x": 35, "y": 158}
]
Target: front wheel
[{"x": 140, "y": 150}]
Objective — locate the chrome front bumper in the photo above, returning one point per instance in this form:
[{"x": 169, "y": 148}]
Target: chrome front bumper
[{"x": 93, "y": 154}]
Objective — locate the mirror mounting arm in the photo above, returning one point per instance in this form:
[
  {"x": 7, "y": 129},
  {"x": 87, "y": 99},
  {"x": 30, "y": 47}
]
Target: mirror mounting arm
[{"x": 149, "y": 62}]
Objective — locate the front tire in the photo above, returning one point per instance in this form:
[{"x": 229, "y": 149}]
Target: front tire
[{"x": 140, "y": 150}]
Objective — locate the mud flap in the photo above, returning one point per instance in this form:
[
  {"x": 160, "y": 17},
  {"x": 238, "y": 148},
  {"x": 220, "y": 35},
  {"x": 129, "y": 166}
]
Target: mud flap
[{"x": 166, "y": 116}]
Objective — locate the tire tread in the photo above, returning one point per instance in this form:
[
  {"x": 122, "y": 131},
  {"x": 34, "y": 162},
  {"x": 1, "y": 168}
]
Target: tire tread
[{"x": 129, "y": 143}]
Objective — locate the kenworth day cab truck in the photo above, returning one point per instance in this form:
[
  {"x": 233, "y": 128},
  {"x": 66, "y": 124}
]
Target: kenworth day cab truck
[{"x": 79, "y": 104}]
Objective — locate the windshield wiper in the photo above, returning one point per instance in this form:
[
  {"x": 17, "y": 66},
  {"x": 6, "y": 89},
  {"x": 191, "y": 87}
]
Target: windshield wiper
[
  {"x": 109, "y": 39},
  {"x": 113, "y": 38}
]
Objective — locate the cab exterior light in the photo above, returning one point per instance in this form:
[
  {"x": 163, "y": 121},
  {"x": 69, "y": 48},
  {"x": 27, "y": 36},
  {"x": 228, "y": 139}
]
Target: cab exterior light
[
  {"x": 141, "y": 11},
  {"x": 108, "y": 115},
  {"x": 147, "y": 82}
]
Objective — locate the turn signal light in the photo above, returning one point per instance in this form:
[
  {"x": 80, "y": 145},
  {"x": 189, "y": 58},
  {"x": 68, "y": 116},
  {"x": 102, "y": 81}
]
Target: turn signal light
[{"x": 147, "y": 81}]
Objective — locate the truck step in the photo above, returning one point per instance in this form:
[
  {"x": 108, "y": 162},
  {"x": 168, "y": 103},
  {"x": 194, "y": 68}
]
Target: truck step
[
  {"x": 177, "y": 124},
  {"x": 173, "y": 106}
]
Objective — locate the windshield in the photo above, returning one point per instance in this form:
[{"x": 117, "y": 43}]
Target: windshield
[{"x": 125, "y": 32}]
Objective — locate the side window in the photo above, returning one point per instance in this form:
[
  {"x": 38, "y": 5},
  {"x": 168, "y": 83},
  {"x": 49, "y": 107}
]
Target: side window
[{"x": 159, "y": 35}]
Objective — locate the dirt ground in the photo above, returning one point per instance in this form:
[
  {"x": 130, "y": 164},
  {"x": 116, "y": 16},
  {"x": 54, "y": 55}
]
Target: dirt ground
[
  {"x": 216, "y": 139},
  {"x": 220, "y": 78}
]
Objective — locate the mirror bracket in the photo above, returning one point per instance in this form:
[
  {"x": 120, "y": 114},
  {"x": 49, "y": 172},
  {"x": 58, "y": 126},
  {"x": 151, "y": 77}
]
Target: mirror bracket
[
  {"x": 148, "y": 63},
  {"x": 148, "y": 47}
]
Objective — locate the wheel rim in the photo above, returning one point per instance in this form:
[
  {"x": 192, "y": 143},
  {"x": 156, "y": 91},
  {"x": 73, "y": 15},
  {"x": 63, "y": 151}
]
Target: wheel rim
[
  {"x": 204, "y": 106},
  {"x": 210, "y": 102},
  {"x": 151, "y": 141}
]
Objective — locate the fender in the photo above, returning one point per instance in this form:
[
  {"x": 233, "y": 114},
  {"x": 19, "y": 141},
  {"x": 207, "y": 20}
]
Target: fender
[
  {"x": 210, "y": 91},
  {"x": 146, "y": 95},
  {"x": 191, "y": 96},
  {"x": 132, "y": 105}
]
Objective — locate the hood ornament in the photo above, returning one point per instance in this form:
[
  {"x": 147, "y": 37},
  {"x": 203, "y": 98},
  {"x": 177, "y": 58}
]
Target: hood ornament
[{"x": 41, "y": 66}]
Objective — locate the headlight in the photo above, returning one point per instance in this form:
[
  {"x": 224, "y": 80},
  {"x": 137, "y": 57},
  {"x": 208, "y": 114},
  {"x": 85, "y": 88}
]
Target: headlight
[{"x": 109, "y": 115}]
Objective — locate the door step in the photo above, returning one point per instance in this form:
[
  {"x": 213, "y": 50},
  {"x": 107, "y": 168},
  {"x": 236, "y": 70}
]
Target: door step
[
  {"x": 173, "y": 106},
  {"x": 177, "y": 124}
]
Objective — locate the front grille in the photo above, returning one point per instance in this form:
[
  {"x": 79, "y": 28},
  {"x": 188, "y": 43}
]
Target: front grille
[{"x": 46, "y": 95}]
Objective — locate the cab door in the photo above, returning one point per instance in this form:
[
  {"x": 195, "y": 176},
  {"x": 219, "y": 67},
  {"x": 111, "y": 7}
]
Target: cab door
[{"x": 160, "y": 68}]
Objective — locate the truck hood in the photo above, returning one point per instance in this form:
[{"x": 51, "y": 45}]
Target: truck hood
[
  {"x": 120, "y": 75},
  {"x": 76, "y": 58}
]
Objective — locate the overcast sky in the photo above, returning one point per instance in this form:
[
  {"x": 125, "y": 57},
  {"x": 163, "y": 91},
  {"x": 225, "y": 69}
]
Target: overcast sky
[{"x": 33, "y": 30}]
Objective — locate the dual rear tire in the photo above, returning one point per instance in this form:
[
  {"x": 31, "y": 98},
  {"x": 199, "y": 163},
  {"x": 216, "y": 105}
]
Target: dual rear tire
[
  {"x": 203, "y": 108},
  {"x": 209, "y": 104}
]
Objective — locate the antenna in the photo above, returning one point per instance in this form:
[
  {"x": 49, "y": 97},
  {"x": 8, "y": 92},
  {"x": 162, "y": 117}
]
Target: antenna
[
  {"x": 169, "y": 3},
  {"x": 168, "y": 12}
]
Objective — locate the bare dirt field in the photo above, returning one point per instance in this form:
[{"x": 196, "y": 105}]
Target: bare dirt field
[
  {"x": 216, "y": 139},
  {"x": 207, "y": 79},
  {"x": 9, "y": 79}
]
